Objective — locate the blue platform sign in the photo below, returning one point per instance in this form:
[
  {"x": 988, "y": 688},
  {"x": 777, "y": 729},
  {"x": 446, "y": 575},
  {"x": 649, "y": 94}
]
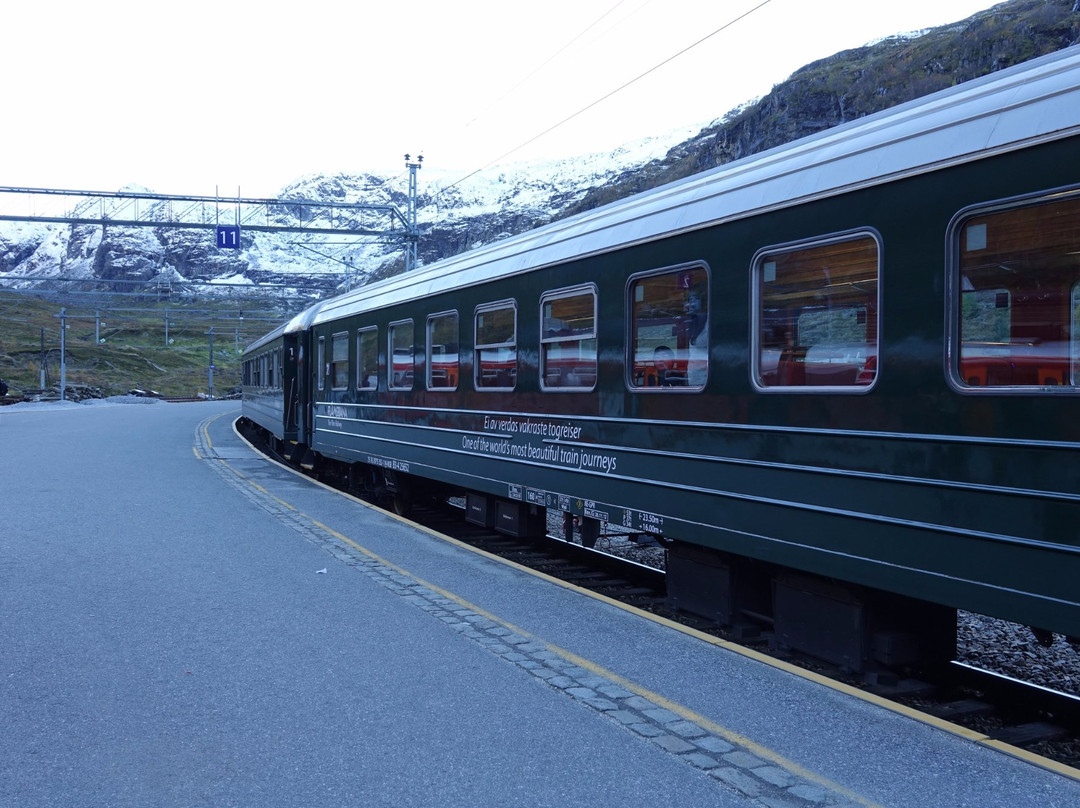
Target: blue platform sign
[{"x": 228, "y": 236}]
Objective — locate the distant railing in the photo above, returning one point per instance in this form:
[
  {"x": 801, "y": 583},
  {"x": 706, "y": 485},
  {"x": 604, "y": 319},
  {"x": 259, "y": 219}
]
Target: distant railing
[{"x": 136, "y": 209}]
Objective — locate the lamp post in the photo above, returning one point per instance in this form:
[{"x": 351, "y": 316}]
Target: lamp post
[
  {"x": 63, "y": 353},
  {"x": 210, "y": 383}
]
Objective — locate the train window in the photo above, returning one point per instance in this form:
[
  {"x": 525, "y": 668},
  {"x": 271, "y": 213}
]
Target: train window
[
  {"x": 321, "y": 369},
  {"x": 496, "y": 346},
  {"x": 816, "y": 315},
  {"x": 339, "y": 361},
  {"x": 367, "y": 359},
  {"x": 1014, "y": 300},
  {"x": 568, "y": 339},
  {"x": 402, "y": 357},
  {"x": 442, "y": 351},
  {"x": 669, "y": 329}
]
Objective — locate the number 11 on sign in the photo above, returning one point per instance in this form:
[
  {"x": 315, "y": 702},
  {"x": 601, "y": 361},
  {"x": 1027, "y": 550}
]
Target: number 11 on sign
[{"x": 228, "y": 237}]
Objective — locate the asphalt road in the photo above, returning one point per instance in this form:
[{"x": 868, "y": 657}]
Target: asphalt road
[
  {"x": 166, "y": 642},
  {"x": 183, "y": 623}
]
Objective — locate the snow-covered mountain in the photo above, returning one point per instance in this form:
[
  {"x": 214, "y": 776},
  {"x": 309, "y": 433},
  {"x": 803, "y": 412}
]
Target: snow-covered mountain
[
  {"x": 456, "y": 211},
  {"x": 461, "y": 210}
]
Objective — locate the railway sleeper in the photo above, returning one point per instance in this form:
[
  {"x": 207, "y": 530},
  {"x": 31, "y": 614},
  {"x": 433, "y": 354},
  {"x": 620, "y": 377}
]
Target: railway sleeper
[
  {"x": 1030, "y": 733},
  {"x": 962, "y": 708}
]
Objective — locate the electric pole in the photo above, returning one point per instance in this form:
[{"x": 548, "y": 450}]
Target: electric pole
[
  {"x": 412, "y": 232},
  {"x": 210, "y": 383}
]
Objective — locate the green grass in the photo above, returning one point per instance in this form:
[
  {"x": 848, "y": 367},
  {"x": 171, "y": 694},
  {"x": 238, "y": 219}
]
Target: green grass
[{"x": 133, "y": 353}]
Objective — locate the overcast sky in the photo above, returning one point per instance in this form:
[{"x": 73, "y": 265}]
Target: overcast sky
[{"x": 245, "y": 95}]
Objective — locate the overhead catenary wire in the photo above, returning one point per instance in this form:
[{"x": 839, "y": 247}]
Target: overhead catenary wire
[
  {"x": 605, "y": 97},
  {"x": 518, "y": 84},
  {"x": 551, "y": 59}
]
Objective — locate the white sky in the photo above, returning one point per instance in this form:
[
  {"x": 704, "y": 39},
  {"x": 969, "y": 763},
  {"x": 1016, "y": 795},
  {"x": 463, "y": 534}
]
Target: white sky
[{"x": 245, "y": 95}]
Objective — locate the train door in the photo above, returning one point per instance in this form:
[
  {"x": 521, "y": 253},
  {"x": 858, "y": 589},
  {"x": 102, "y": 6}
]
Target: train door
[
  {"x": 304, "y": 387},
  {"x": 290, "y": 381}
]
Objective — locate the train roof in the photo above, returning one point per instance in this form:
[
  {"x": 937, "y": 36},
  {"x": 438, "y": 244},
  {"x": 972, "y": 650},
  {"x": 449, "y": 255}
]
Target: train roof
[
  {"x": 1033, "y": 102},
  {"x": 267, "y": 338},
  {"x": 300, "y": 322}
]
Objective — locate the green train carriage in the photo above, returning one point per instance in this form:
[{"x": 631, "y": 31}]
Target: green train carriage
[{"x": 839, "y": 378}]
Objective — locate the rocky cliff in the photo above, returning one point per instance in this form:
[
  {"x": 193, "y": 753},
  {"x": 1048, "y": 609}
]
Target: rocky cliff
[{"x": 861, "y": 81}]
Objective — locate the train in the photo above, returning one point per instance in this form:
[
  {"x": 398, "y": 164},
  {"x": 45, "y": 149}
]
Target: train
[{"x": 838, "y": 380}]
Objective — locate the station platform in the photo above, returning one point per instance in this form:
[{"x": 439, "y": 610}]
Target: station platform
[{"x": 183, "y": 622}]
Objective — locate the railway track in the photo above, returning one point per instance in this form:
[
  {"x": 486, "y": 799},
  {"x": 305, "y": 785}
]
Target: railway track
[
  {"x": 1006, "y": 709},
  {"x": 1040, "y": 720}
]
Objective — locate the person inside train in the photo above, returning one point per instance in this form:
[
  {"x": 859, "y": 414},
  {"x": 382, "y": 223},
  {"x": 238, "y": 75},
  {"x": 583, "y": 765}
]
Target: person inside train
[
  {"x": 695, "y": 331},
  {"x": 664, "y": 363}
]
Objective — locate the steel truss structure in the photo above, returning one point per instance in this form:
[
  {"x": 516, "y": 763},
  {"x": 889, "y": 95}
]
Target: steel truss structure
[{"x": 134, "y": 209}]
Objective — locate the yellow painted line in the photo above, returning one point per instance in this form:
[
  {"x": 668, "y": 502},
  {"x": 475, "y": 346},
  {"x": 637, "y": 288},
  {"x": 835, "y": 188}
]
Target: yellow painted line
[
  {"x": 1030, "y": 757},
  {"x": 205, "y": 427},
  {"x": 840, "y": 687}
]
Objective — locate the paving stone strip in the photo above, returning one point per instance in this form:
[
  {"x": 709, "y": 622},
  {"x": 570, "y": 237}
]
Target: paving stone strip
[{"x": 762, "y": 781}]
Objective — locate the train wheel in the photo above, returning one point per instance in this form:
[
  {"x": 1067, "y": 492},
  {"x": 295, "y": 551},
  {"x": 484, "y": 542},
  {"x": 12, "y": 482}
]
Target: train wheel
[
  {"x": 1042, "y": 636},
  {"x": 402, "y": 505},
  {"x": 357, "y": 477},
  {"x": 400, "y": 487}
]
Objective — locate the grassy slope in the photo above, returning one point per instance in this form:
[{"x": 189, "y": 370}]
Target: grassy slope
[{"x": 134, "y": 353}]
